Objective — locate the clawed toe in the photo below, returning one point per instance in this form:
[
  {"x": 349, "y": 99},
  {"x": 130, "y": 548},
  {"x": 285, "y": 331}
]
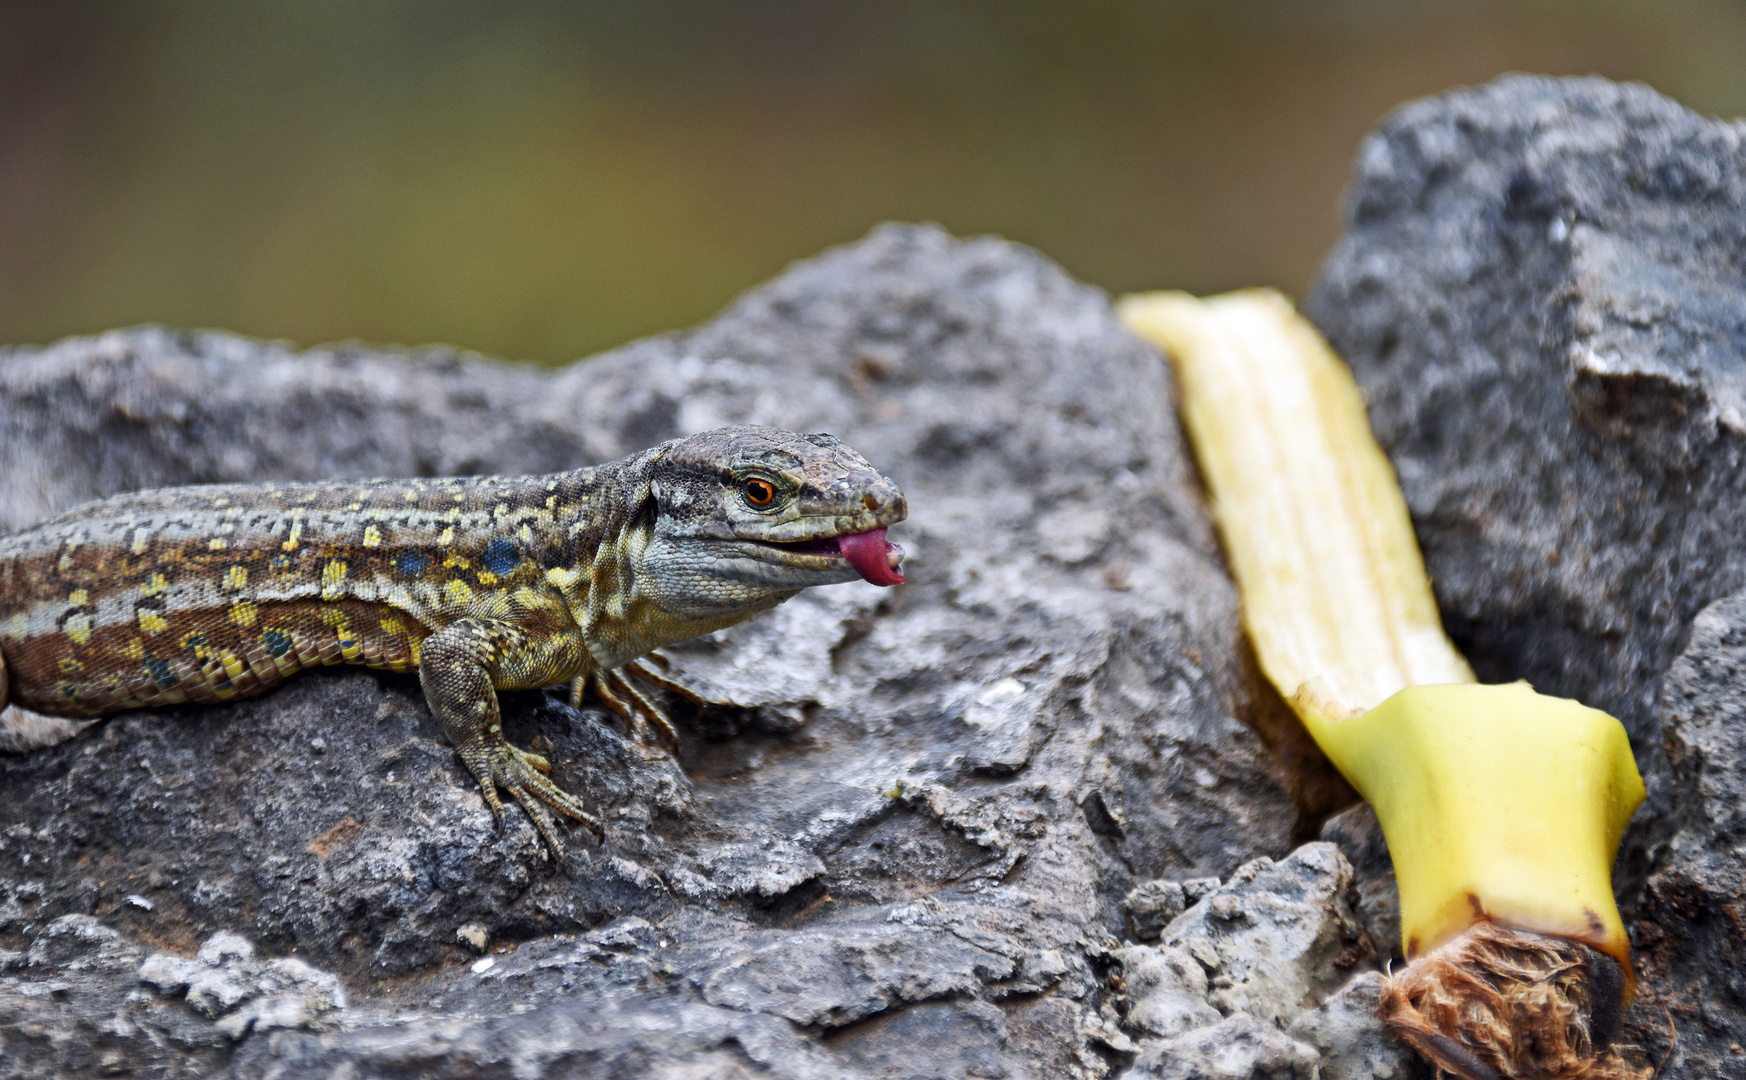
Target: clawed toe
[
  {"x": 536, "y": 794},
  {"x": 635, "y": 708},
  {"x": 538, "y": 762},
  {"x": 652, "y": 668},
  {"x": 524, "y": 775}
]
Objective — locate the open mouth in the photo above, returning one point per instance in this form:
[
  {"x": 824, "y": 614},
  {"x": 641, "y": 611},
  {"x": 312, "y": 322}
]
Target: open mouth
[
  {"x": 827, "y": 546},
  {"x": 871, "y": 556}
]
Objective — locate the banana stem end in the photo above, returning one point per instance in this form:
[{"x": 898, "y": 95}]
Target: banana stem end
[{"x": 1497, "y": 1003}]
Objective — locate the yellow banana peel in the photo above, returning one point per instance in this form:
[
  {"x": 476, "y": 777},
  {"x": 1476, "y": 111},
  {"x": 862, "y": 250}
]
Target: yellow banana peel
[{"x": 1498, "y": 803}]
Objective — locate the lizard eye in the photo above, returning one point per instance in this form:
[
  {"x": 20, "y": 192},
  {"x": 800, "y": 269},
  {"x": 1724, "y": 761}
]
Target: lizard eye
[{"x": 760, "y": 492}]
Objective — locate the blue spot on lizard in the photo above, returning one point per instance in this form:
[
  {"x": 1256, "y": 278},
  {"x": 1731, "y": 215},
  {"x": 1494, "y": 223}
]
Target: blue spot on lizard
[{"x": 501, "y": 557}]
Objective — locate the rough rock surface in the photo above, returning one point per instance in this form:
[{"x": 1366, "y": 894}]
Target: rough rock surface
[
  {"x": 1256, "y": 980},
  {"x": 1542, "y": 290},
  {"x": 1345, "y": 1029},
  {"x": 1691, "y": 920},
  {"x": 1358, "y": 836},
  {"x": 1276, "y": 938},
  {"x": 897, "y": 845}
]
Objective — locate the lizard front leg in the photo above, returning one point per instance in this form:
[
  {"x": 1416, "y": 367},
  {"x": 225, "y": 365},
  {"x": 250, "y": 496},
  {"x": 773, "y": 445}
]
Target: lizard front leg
[{"x": 462, "y": 666}]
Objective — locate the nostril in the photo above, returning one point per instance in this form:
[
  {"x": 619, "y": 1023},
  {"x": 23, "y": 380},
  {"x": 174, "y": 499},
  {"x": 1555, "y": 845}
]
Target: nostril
[{"x": 869, "y": 502}]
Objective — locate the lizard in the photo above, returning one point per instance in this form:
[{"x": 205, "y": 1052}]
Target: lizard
[{"x": 478, "y": 584}]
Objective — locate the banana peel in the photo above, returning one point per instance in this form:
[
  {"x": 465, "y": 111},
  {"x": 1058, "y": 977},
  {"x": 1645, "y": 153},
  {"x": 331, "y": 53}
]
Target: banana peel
[
  {"x": 1314, "y": 524},
  {"x": 1498, "y": 803},
  {"x": 1501, "y": 806}
]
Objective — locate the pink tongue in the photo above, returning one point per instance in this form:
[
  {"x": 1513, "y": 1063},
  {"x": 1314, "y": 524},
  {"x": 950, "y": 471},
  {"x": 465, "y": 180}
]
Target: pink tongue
[{"x": 866, "y": 552}]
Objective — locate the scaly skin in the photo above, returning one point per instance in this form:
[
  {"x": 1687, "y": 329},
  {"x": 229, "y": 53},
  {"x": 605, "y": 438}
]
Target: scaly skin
[{"x": 480, "y": 584}]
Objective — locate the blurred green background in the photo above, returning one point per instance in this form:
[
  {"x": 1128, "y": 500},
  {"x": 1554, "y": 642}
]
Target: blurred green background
[{"x": 544, "y": 180}]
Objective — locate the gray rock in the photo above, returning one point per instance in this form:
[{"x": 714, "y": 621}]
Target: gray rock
[
  {"x": 894, "y": 845},
  {"x": 1168, "y": 988},
  {"x": 224, "y": 982},
  {"x": 1358, "y": 835},
  {"x": 71, "y": 1005},
  {"x": 1351, "y": 1038},
  {"x": 1277, "y": 937},
  {"x": 1540, "y": 290},
  {"x": 152, "y": 407},
  {"x": 1248, "y": 982},
  {"x": 1239, "y": 1048},
  {"x": 1151, "y": 905},
  {"x": 1690, "y": 953}
]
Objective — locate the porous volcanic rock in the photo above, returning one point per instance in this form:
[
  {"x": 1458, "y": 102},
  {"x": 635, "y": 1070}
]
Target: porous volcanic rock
[
  {"x": 1691, "y": 946},
  {"x": 1542, "y": 290},
  {"x": 895, "y": 846}
]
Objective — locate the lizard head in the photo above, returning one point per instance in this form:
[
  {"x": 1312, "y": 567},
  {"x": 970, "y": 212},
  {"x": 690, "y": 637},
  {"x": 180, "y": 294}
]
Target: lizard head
[{"x": 744, "y": 517}]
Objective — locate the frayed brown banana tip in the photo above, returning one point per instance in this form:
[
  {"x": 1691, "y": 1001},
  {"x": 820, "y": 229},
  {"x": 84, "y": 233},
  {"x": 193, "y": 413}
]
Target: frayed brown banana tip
[{"x": 1502, "y": 1004}]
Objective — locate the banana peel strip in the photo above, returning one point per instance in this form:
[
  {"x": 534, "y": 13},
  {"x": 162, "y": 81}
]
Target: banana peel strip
[{"x": 1498, "y": 803}]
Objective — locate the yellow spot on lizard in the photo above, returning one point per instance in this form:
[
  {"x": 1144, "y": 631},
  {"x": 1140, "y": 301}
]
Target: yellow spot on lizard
[
  {"x": 459, "y": 592},
  {"x": 333, "y": 580},
  {"x": 290, "y": 543},
  {"x": 391, "y": 625},
  {"x": 244, "y": 613},
  {"x": 153, "y": 585},
  {"x": 133, "y": 650},
  {"x": 372, "y": 536},
  {"x": 560, "y": 577},
  {"x": 79, "y": 598},
  {"x": 216, "y": 544},
  {"x": 533, "y": 599},
  {"x": 237, "y": 577},
  {"x": 486, "y": 577},
  {"x": 149, "y": 621},
  {"x": 448, "y": 536},
  {"x": 68, "y": 665}
]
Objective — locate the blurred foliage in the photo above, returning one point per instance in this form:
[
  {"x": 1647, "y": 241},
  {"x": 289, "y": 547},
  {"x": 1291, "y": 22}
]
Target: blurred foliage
[{"x": 543, "y": 180}]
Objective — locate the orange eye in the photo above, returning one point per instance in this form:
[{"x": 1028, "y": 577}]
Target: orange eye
[{"x": 759, "y": 492}]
